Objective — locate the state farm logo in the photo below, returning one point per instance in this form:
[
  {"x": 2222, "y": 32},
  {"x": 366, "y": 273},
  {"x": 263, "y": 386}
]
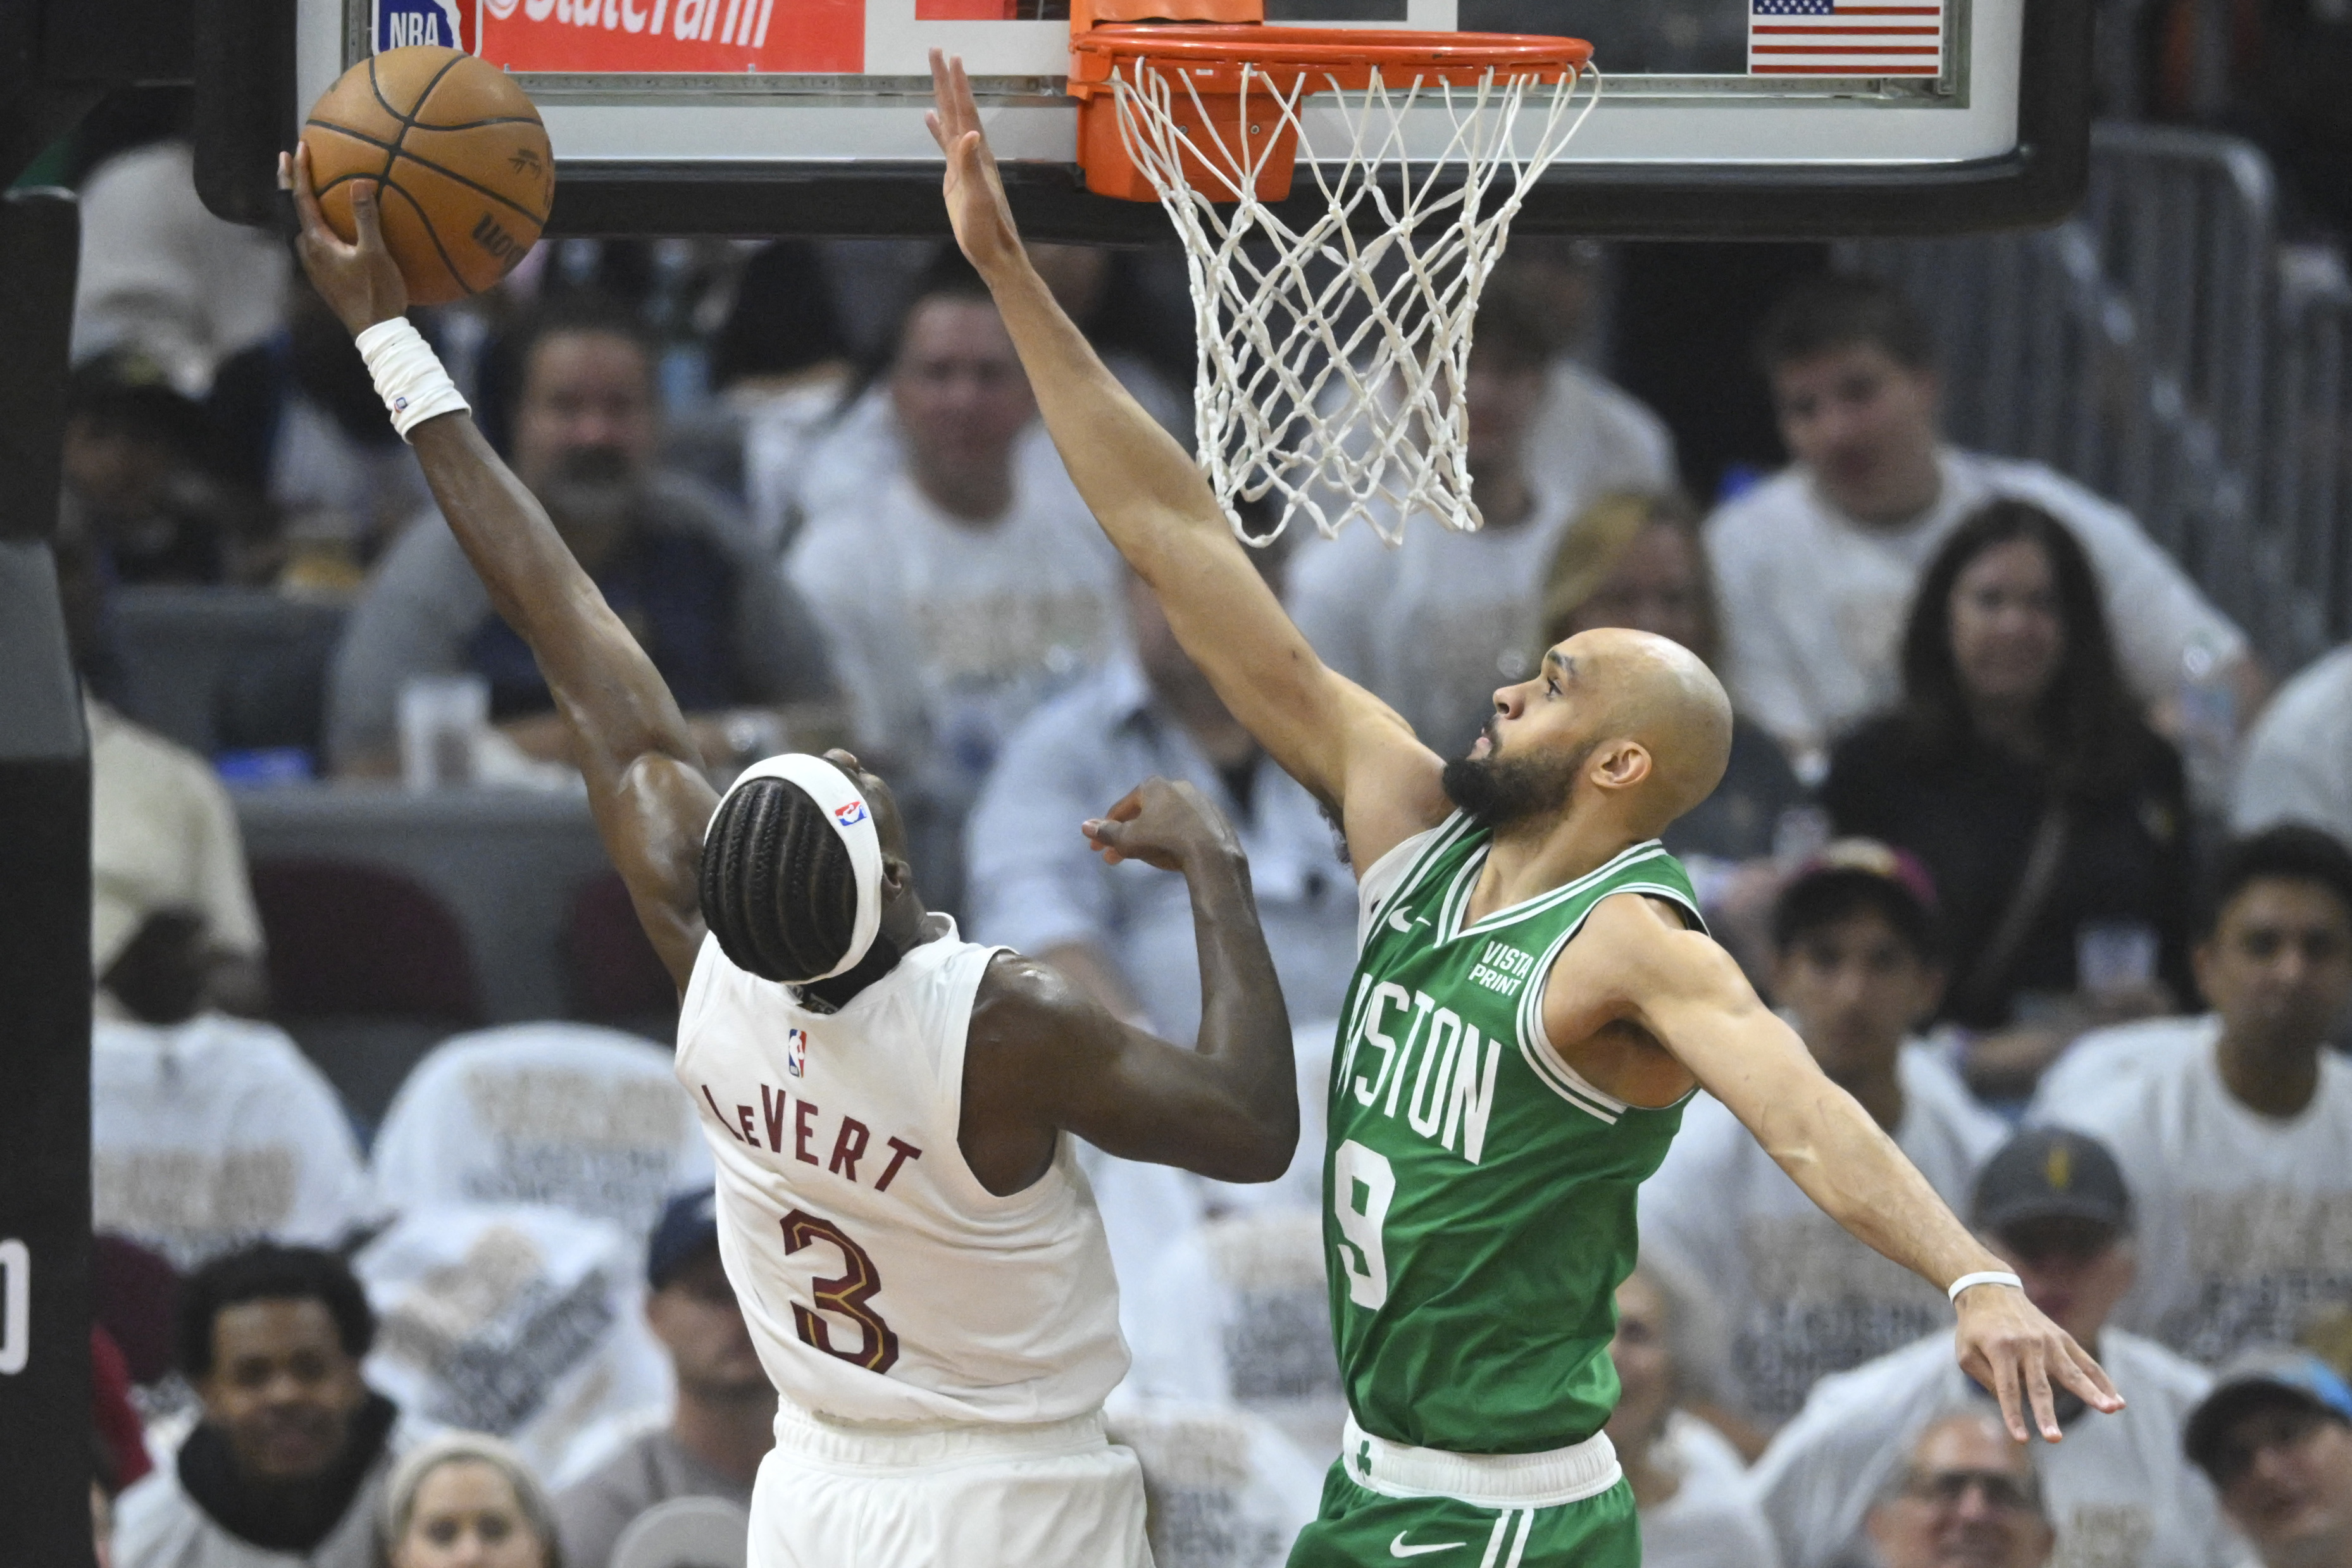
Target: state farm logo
[{"x": 501, "y": 9}]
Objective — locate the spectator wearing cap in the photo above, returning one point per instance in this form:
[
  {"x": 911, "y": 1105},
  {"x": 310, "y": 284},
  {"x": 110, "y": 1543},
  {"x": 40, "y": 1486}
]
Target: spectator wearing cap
[
  {"x": 1964, "y": 1494},
  {"x": 289, "y": 1465},
  {"x": 1855, "y": 971},
  {"x": 2236, "y": 1139},
  {"x": 140, "y": 475},
  {"x": 723, "y": 1422},
  {"x": 2275, "y": 1435},
  {"x": 2053, "y": 1207}
]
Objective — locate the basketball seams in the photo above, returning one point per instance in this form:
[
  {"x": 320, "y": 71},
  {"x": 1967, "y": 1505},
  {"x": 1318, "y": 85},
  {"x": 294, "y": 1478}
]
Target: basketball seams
[
  {"x": 425, "y": 221},
  {"x": 399, "y": 152}
]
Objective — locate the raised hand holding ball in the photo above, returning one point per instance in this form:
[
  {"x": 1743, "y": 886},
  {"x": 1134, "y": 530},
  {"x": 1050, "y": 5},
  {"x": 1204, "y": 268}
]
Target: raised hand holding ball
[{"x": 459, "y": 158}]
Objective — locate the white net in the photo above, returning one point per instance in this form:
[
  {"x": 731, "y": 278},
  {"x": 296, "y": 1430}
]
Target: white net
[{"x": 1333, "y": 357}]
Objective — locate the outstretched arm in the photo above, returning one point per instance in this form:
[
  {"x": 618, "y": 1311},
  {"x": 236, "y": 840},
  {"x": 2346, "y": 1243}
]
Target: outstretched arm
[
  {"x": 644, "y": 774},
  {"x": 1349, "y": 749},
  {"x": 1056, "y": 1059},
  {"x": 1638, "y": 964}
]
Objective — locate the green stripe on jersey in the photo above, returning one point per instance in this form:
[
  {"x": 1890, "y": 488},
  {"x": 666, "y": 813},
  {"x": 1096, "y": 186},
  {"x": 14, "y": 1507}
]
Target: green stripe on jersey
[{"x": 1478, "y": 1210}]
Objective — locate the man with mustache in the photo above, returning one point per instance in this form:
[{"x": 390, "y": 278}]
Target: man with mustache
[
  {"x": 726, "y": 632},
  {"x": 1535, "y": 1000}
]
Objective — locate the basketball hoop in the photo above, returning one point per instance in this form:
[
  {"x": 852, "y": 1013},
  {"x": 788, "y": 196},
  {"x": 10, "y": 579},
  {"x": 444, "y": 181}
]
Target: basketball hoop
[{"x": 1331, "y": 356}]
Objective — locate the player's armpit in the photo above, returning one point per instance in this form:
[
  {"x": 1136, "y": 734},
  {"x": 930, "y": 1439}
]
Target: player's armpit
[{"x": 1043, "y": 1057}]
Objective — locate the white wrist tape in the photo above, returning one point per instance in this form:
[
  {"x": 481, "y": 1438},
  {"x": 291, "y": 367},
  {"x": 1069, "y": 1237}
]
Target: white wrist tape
[
  {"x": 1965, "y": 1280},
  {"x": 408, "y": 374}
]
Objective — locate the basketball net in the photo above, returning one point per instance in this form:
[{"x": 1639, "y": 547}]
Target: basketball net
[{"x": 1333, "y": 359}]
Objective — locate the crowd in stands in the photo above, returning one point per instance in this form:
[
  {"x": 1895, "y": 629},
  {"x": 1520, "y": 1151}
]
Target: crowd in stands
[{"x": 2099, "y": 997}]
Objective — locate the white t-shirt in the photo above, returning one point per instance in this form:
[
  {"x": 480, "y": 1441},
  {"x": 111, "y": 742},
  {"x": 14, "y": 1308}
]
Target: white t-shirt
[
  {"x": 2245, "y": 1221},
  {"x": 1433, "y": 625},
  {"x": 2120, "y": 1493},
  {"x": 1711, "y": 1522},
  {"x": 2090, "y": 1068},
  {"x": 522, "y": 1322},
  {"x": 1815, "y": 602},
  {"x": 1592, "y": 438},
  {"x": 1805, "y": 1299},
  {"x": 879, "y": 1279},
  {"x": 1238, "y": 1313},
  {"x": 2297, "y": 766},
  {"x": 212, "y": 1134},
  {"x": 945, "y": 634},
  {"x": 569, "y": 1115},
  {"x": 163, "y": 835},
  {"x": 1226, "y": 1489}
]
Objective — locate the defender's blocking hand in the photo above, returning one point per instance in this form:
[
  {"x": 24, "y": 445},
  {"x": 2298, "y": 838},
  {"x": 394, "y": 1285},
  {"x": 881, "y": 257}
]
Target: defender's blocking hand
[
  {"x": 977, "y": 209},
  {"x": 1168, "y": 825},
  {"x": 361, "y": 282},
  {"x": 2006, "y": 1344}
]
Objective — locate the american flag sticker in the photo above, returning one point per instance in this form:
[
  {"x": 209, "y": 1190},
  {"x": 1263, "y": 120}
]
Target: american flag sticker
[{"x": 1833, "y": 38}]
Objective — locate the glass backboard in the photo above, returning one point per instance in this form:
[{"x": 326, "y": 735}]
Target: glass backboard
[{"x": 1724, "y": 118}]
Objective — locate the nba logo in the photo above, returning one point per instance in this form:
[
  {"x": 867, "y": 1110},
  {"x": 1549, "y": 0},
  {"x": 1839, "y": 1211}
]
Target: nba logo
[
  {"x": 851, "y": 815},
  {"x": 795, "y": 1051},
  {"x": 448, "y": 23}
]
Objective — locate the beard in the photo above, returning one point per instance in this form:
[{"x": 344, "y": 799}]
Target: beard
[
  {"x": 591, "y": 490},
  {"x": 1500, "y": 792}
]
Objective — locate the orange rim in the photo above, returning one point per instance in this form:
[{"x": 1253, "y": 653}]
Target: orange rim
[{"x": 1460, "y": 59}]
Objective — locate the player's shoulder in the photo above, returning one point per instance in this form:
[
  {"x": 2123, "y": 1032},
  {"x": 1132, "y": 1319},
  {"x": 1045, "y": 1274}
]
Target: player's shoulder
[{"x": 1016, "y": 991}]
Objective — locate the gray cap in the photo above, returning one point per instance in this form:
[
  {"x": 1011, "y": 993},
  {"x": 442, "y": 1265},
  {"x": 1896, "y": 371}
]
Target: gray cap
[{"x": 2049, "y": 1173}]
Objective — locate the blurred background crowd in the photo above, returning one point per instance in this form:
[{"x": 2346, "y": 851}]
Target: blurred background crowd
[{"x": 2035, "y": 830}]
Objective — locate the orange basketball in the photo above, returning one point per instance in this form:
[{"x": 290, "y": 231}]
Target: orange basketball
[{"x": 462, "y": 157}]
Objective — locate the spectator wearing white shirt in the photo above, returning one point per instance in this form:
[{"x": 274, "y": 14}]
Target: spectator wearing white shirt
[
  {"x": 2275, "y": 1435},
  {"x": 959, "y": 589},
  {"x": 1819, "y": 562},
  {"x": 1966, "y": 1497},
  {"x": 1855, "y": 971},
  {"x": 1433, "y": 625},
  {"x": 1689, "y": 1483},
  {"x": 2053, "y": 1207},
  {"x": 1125, "y": 932},
  {"x": 2298, "y": 760},
  {"x": 2237, "y": 1144}
]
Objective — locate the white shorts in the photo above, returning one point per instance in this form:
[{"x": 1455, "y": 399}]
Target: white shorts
[{"x": 1059, "y": 1495}]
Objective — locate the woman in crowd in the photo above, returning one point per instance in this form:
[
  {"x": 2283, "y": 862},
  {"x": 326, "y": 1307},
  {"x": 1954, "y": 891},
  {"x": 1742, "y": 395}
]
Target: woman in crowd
[
  {"x": 1687, "y": 1479},
  {"x": 2020, "y": 770},
  {"x": 465, "y": 1499},
  {"x": 1638, "y": 561}
]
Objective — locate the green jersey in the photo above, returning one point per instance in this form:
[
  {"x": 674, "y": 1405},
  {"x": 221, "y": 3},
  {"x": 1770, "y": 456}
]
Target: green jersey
[{"x": 1479, "y": 1194}]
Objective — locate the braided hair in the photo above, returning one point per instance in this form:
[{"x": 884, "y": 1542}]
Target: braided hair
[{"x": 778, "y": 888}]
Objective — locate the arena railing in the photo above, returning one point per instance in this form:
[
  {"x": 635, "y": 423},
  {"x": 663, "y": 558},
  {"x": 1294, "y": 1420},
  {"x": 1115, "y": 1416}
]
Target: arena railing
[{"x": 2149, "y": 347}]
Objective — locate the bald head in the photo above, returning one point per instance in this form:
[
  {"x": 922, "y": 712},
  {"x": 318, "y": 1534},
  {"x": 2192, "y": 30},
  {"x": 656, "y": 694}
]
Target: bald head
[
  {"x": 1661, "y": 696},
  {"x": 1616, "y": 724}
]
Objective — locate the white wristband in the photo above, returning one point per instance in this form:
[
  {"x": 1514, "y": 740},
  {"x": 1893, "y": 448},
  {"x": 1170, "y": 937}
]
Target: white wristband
[
  {"x": 1995, "y": 1277},
  {"x": 408, "y": 374}
]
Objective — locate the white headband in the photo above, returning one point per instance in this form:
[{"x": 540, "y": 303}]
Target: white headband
[{"x": 852, "y": 818}]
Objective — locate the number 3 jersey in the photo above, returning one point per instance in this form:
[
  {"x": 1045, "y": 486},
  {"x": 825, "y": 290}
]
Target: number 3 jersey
[
  {"x": 1480, "y": 1194},
  {"x": 880, "y": 1281}
]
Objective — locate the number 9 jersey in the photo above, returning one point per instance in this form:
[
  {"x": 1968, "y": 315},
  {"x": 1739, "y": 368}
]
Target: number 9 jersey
[
  {"x": 881, "y": 1282},
  {"x": 1480, "y": 1194}
]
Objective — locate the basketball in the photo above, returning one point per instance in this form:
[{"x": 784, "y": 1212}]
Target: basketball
[{"x": 462, "y": 157}]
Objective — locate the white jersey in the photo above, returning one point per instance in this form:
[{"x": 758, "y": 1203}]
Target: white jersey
[{"x": 880, "y": 1280}]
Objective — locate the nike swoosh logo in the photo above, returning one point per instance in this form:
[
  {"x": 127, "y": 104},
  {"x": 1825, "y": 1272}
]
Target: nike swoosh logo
[{"x": 1397, "y": 1548}]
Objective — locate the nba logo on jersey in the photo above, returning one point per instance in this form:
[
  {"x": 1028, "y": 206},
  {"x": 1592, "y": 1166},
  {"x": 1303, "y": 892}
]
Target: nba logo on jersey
[
  {"x": 851, "y": 813},
  {"x": 448, "y": 23},
  {"x": 795, "y": 1051}
]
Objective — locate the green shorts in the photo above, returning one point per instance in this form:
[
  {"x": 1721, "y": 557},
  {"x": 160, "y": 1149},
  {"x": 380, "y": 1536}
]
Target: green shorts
[{"x": 1359, "y": 1528}]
